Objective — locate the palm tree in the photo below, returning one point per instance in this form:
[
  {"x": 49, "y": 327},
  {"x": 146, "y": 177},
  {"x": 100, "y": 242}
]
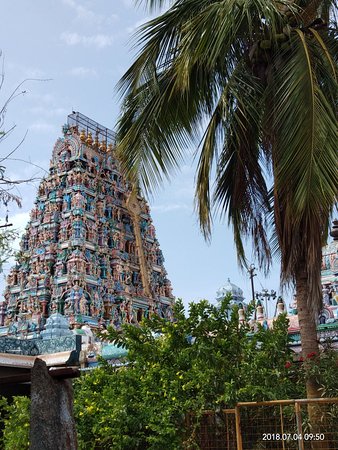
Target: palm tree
[{"x": 252, "y": 84}]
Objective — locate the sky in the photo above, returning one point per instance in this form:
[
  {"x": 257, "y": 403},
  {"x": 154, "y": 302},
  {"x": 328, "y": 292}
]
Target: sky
[{"x": 71, "y": 54}]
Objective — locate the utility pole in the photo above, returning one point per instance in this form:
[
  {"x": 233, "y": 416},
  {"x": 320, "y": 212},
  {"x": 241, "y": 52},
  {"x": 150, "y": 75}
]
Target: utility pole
[{"x": 251, "y": 271}]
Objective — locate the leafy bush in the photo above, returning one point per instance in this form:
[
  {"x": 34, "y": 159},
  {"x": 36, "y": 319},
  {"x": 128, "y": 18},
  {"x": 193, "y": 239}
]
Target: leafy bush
[
  {"x": 15, "y": 417},
  {"x": 204, "y": 360}
]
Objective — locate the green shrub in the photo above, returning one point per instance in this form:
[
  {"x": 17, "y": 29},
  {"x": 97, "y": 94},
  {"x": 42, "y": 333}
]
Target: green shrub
[{"x": 15, "y": 417}]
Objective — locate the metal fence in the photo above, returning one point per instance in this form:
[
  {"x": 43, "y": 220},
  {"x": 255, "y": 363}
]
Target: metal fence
[{"x": 275, "y": 425}]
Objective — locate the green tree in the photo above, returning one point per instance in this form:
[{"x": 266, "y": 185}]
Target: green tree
[
  {"x": 252, "y": 84},
  {"x": 15, "y": 417},
  {"x": 204, "y": 360}
]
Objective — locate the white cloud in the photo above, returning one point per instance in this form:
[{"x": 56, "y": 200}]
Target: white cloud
[
  {"x": 47, "y": 106},
  {"x": 84, "y": 14},
  {"x": 19, "y": 221},
  {"x": 81, "y": 11},
  {"x": 25, "y": 169},
  {"x": 113, "y": 17},
  {"x": 96, "y": 40},
  {"x": 82, "y": 72}
]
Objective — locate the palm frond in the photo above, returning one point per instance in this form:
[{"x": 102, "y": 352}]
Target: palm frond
[
  {"x": 243, "y": 84},
  {"x": 160, "y": 123},
  {"x": 210, "y": 147},
  {"x": 326, "y": 51},
  {"x": 241, "y": 190},
  {"x": 173, "y": 84},
  {"x": 304, "y": 156},
  {"x": 152, "y": 5}
]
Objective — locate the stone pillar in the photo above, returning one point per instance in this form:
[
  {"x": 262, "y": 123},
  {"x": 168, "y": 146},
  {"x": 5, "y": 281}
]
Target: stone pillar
[{"x": 52, "y": 421}]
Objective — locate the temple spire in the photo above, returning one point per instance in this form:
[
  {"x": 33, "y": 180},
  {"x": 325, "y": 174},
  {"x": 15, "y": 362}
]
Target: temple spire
[{"x": 89, "y": 251}]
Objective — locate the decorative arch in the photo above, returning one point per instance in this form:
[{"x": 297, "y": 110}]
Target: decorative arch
[{"x": 325, "y": 315}]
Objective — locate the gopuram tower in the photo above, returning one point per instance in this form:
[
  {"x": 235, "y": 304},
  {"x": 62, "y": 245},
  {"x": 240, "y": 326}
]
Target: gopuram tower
[{"x": 89, "y": 250}]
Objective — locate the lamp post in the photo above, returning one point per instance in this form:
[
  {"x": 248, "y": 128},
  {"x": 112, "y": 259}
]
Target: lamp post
[{"x": 266, "y": 296}]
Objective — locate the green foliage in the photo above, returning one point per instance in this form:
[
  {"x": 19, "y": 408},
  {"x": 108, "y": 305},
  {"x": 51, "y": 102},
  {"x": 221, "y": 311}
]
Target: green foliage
[
  {"x": 15, "y": 417},
  {"x": 252, "y": 86},
  {"x": 327, "y": 372},
  {"x": 264, "y": 369},
  {"x": 202, "y": 361},
  {"x": 323, "y": 368}
]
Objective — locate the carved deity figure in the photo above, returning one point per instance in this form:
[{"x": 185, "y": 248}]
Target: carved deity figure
[
  {"x": 34, "y": 213},
  {"x": 124, "y": 312},
  {"x": 100, "y": 208},
  {"x": 83, "y": 305},
  {"x": 78, "y": 200},
  {"x": 68, "y": 307},
  {"x": 66, "y": 202},
  {"x": 326, "y": 296}
]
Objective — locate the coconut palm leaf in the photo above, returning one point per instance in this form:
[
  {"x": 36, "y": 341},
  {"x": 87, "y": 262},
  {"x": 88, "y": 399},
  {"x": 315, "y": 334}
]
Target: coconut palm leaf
[
  {"x": 210, "y": 148},
  {"x": 241, "y": 189},
  {"x": 252, "y": 86},
  {"x": 304, "y": 154},
  {"x": 174, "y": 83},
  {"x": 153, "y": 4}
]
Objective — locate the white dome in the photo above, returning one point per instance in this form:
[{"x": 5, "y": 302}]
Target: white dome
[{"x": 230, "y": 288}]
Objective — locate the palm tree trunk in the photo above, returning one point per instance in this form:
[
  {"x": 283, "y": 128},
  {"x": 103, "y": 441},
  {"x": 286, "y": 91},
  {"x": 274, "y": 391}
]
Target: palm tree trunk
[
  {"x": 309, "y": 340},
  {"x": 308, "y": 328}
]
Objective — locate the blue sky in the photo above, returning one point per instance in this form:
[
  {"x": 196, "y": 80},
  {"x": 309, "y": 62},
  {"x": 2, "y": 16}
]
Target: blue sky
[{"x": 80, "y": 49}]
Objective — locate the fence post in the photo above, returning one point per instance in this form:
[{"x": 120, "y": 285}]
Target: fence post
[
  {"x": 299, "y": 426},
  {"x": 282, "y": 423},
  {"x": 238, "y": 428}
]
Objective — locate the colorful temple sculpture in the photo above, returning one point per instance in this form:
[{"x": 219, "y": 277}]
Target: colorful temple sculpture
[
  {"x": 328, "y": 317},
  {"x": 89, "y": 251},
  {"x": 330, "y": 269}
]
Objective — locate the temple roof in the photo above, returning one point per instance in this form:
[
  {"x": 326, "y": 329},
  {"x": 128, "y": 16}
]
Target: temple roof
[{"x": 230, "y": 288}]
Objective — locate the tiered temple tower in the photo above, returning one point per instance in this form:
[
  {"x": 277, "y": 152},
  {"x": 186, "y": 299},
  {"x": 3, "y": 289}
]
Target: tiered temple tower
[
  {"x": 89, "y": 250},
  {"x": 330, "y": 268}
]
